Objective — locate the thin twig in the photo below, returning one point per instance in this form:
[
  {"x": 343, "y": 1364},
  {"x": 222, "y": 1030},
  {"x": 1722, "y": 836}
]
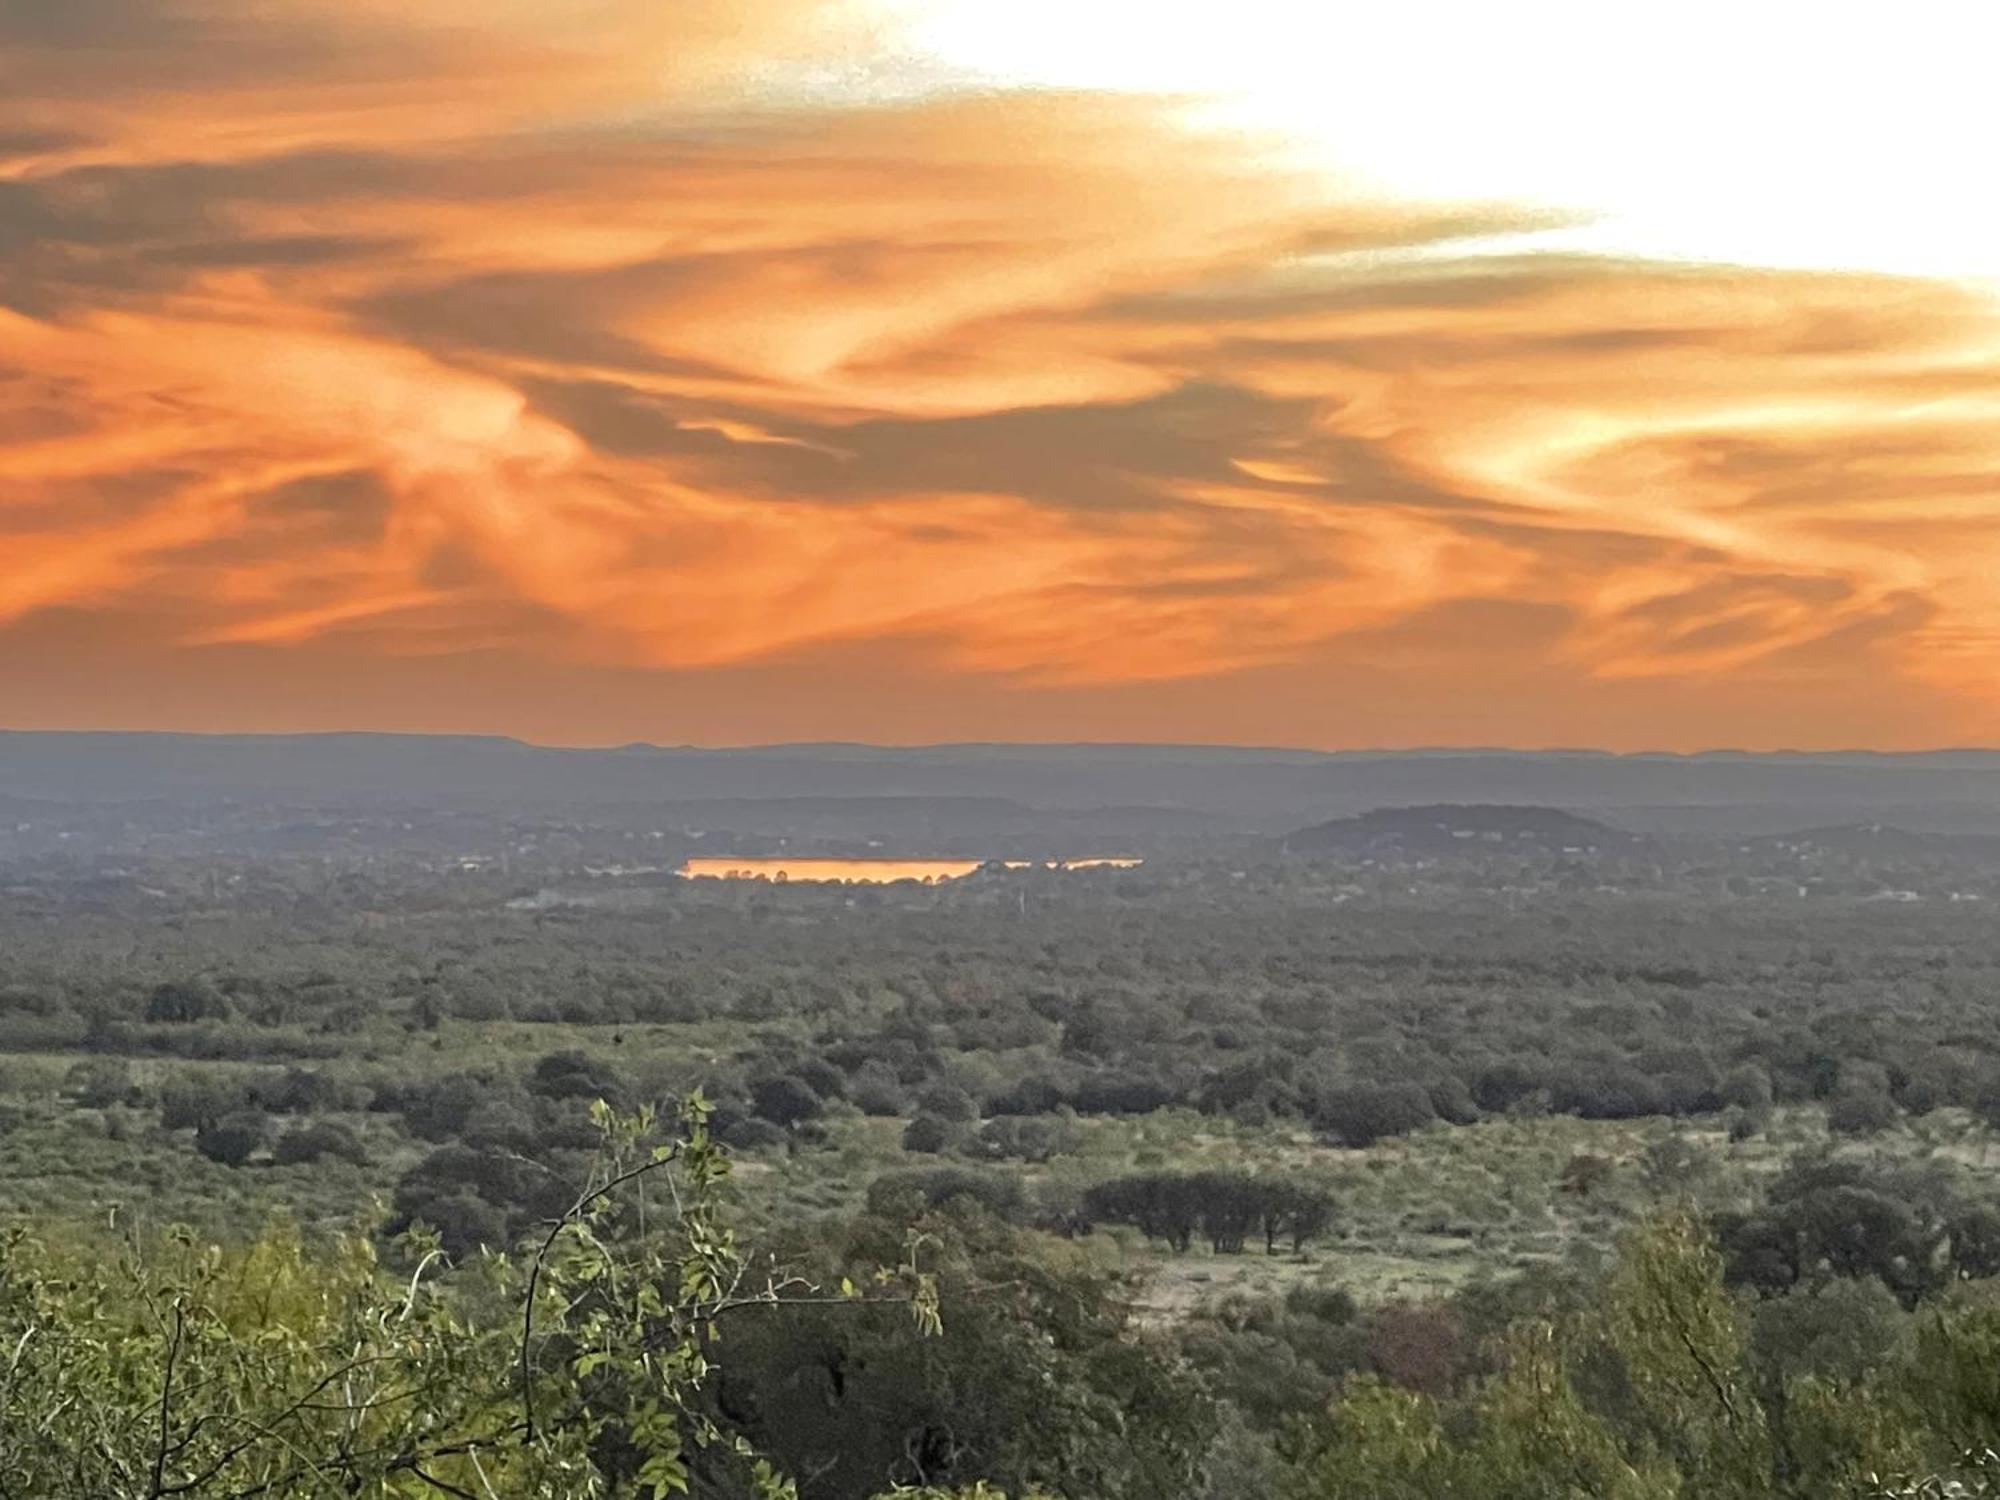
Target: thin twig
[
  {"x": 438, "y": 1484},
  {"x": 584, "y": 1201},
  {"x": 166, "y": 1405}
]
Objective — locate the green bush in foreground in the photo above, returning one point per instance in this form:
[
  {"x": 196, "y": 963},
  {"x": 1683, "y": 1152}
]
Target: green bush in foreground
[
  {"x": 588, "y": 1365},
  {"x": 574, "y": 1369},
  {"x": 1652, "y": 1393}
]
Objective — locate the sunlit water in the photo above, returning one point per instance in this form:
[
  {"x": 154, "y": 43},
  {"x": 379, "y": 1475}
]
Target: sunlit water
[{"x": 870, "y": 871}]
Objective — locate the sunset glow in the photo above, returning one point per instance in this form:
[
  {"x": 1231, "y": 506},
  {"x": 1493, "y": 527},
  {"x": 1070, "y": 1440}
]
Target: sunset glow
[
  {"x": 930, "y": 371},
  {"x": 868, "y": 871}
]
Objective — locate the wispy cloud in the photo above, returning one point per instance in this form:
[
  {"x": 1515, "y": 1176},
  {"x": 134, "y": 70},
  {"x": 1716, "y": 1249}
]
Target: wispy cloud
[{"x": 351, "y": 364}]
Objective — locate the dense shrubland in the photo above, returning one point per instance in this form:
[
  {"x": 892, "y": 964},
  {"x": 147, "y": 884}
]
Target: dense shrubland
[
  {"x": 1150, "y": 1139},
  {"x": 1358, "y": 1021}
]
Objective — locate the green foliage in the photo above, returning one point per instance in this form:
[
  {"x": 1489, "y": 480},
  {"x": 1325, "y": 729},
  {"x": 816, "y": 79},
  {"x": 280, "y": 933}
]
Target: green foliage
[
  {"x": 905, "y": 1195},
  {"x": 1382, "y": 1444},
  {"x": 1040, "y": 1382},
  {"x": 784, "y": 1100},
  {"x": 1827, "y": 1217},
  {"x": 1678, "y": 1337},
  {"x": 1860, "y": 1111},
  {"x": 1033, "y": 1139},
  {"x": 928, "y": 1135},
  {"x": 1359, "y": 1114},
  {"x": 1225, "y": 1207},
  {"x": 574, "y": 1368},
  {"x": 183, "y": 1002},
  {"x": 100, "y": 1082},
  {"x": 194, "y": 1102},
  {"x": 1652, "y": 1393},
  {"x": 323, "y": 1140},
  {"x": 233, "y": 1139}
]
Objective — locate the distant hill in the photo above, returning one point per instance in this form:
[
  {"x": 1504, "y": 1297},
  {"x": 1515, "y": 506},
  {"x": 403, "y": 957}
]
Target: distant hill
[
  {"x": 1249, "y": 790},
  {"x": 1471, "y": 829}
]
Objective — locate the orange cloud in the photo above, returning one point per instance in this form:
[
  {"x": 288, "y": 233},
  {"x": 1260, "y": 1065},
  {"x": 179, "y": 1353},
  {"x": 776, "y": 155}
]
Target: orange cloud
[{"x": 411, "y": 349}]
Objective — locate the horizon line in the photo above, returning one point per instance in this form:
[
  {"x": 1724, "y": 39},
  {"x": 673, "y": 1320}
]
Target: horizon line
[{"x": 922, "y": 746}]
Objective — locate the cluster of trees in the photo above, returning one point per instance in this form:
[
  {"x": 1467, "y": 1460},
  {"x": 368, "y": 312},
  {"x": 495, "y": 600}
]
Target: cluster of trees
[
  {"x": 502, "y": 1145},
  {"x": 233, "y": 1118},
  {"x": 1226, "y": 1208},
  {"x": 1823, "y": 1218}
]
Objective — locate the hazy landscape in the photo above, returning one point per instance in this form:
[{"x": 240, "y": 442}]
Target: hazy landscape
[{"x": 1334, "y": 1101}]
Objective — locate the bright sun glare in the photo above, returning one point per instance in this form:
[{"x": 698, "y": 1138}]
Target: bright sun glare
[{"x": 1783, "y": 134}]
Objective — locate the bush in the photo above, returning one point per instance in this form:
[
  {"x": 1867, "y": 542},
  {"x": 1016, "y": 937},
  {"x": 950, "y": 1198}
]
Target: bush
[
  {"x": 508, "y": 1121},
  {"x": 439, "y": 1109},
  {"x": 233, "y": 1139},
  {"x": 1615, "y": 1092},
  {"x": 1033, "y": 1138},
  {"x": 1323, "y": 1304},
  {"x": 297, "y": 1091},
  {"x": 575, "y": 1075},
  {"x": 876, "y": 1091},
  {"x": 1451, "y": 1101},
  {"x": 465, "y": 1223},
  {"x": 98, "y": 1083},
  {"x": 1860, "y": 1112},
  {"x": 1585, "y": 1173},
  {"x": 1120, "y": 1094},
  {"x": 1747, "y": 1087},
  {"x": 933, "y": 1187},
  {"x": 747, "y": 1132},
  {"x": 515, "y": 1191},
  {"x": 784, "y": 1100},
  {"x": 197, "y": 1102},
  {"x": 1360, "y": 1114},
  {"x": 1031, "y": 1096},
  {"x": 317, "y": 1142},
  {"x": 184, "y": 1002},
  {"x": 821, "y": 1077},
  {"x": 948, "y": 1102},
  {"x": 927, "y": 1134},
  {"x": 1419, "y": 1347},
  {"x": 1499, "y": 1085}
]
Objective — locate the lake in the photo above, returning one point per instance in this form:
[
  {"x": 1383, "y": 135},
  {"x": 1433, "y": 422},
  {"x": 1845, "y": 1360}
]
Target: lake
[{"x": 870, "y": 871}]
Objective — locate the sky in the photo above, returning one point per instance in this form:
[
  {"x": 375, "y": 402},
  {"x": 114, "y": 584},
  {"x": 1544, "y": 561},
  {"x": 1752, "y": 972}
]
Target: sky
[{"x": 726, "y": 371}]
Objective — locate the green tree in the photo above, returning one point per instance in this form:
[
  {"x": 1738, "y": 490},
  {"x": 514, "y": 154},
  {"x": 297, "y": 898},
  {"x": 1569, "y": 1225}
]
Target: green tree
[
  {"x": 571, "y": 1370},
  {"x": 1679, "y": 1338}
]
